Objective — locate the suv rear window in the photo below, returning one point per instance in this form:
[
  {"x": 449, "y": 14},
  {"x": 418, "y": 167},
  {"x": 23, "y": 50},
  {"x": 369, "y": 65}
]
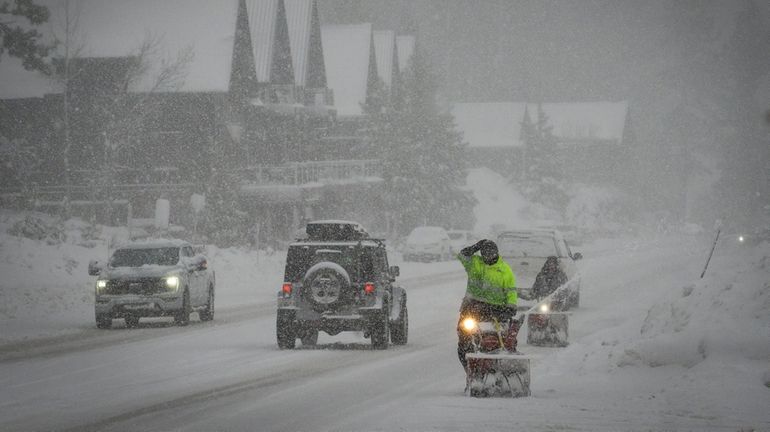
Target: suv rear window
[{"x": 300, "y": 258}]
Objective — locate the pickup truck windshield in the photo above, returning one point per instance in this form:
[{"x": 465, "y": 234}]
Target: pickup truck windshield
[
  {"x": 523, "y": 246},
  {"x": 138, "y": 257}
]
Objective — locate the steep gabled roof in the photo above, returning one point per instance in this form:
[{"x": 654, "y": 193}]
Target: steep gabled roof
[
  {"x": 405, "y": 47},
  {"x": 270, "y": 41},
  {"x": 115, "y": 28},
  {"x": 299, "y": 15},
  {"x": 385, "y": 52},
  {"x": 498, "y": 124},
  {"x": 348, "y": 57}
]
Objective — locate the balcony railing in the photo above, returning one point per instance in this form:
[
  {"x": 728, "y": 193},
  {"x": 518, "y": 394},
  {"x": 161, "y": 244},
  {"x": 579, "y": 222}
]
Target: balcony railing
[{"x": 324, "y": 172}]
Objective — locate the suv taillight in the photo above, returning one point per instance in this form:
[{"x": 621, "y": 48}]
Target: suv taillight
[
  {"x": 369, "y": 287},
  {"x": 286, "y": 288}
]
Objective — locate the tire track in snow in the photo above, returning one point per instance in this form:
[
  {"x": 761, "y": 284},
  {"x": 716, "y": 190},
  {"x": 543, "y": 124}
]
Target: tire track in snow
[{"x": 93, "y": 338}]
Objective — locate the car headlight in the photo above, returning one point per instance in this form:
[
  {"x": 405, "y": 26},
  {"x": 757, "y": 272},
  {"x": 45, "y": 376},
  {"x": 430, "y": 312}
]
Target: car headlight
[
  {"x": 172, "y": 282},
  {"x": 740, "y": 239},
  {"x": 544, "y": 307},
  {"x": 101, "y": 284},
  {"x": 469, "y": 324}
]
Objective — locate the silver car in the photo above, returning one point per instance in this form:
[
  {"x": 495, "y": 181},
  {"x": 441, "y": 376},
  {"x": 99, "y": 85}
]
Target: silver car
[
  {"x": 427, "y": 243},
  {"x": 150, "y": 279}
]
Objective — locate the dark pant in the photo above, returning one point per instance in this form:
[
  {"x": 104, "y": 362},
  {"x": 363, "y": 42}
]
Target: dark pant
[{"x": 484, "y": 312}]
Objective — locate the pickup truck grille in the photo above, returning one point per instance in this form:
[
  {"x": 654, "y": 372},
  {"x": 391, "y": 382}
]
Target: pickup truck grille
[{"x": 136, "y": 286}]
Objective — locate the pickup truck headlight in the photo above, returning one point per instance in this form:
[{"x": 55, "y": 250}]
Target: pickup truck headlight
[{"x": 172, "y": 282}]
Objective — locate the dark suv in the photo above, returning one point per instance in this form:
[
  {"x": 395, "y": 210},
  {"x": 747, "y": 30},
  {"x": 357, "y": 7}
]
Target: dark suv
[{"x": 338, "y": 279}]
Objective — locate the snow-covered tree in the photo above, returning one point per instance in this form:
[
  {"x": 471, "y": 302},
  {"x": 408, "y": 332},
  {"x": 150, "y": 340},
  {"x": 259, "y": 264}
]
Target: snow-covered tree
[
  {"x": 19, "y": 36},
  {"x": 423, "y": 156}
]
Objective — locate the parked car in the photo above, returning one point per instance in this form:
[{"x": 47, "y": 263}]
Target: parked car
[
  {"x": 459, "y": 239},
  {"x": 153, "y": 278},
  {"x": 427, "y": 243},
  {"x": 338, "y": 279},
  {"x": 526, "y": 251}
]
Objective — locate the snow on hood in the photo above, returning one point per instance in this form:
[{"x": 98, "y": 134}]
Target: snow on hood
[{"x": 145, "y": 271}]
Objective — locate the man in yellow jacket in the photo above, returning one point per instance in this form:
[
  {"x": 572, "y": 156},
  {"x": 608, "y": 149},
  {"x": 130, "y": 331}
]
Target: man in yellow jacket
[{"x": 490, "y": 293}]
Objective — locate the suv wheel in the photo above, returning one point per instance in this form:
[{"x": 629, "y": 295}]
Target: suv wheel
[
  {"x": 132, "y": 321},
  {"x": 182, "y": 318},
  {"x": 309, "y": 337},
  {"x": 207, "y": 314},
  {"x": 380, "y": 330},
  {"x": 285, "y": 330},
  {"x": 399, "y": 333},
  {"x": 103, "y": 321}
]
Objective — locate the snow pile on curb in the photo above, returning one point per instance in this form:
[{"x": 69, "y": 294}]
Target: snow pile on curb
[
  {"x": 46, "y": 289},
  {"x": 723, "y": 314}
]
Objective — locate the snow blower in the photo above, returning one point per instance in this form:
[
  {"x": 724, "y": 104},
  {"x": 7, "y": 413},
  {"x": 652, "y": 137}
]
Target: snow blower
[
  {"x": 547, "y": 322},
  {"x": 494, "y": 368}
]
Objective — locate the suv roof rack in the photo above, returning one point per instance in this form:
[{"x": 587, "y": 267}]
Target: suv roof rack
[{"x": 331, "y": 230}]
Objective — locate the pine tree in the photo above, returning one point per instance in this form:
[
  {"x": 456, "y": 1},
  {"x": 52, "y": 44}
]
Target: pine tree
[
  {"x": 541, "y": 171},
  {"x": 541, "y": 148},
  {"x": 423, "y": 156},
  {"x": 16, "y": 36}
]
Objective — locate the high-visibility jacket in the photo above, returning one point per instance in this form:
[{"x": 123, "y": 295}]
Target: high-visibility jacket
[{"x": 494, "y": 284}]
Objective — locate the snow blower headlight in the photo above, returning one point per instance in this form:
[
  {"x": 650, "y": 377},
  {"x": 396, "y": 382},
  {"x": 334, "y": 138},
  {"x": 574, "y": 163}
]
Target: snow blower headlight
[
  {"x": 469, "y": 324},
  {"x": 172, "y": 282},
  {"x": 544, "y": 308}
]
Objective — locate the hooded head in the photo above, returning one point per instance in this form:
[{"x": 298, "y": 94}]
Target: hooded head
[
  {"x": 551, "y": 264},
  {"x": 489, "y": 252}
]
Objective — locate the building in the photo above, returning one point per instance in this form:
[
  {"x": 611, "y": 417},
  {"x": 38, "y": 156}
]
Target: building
[
  {"x": 266, "y": 96},
  {"x": 593, "y": 138}
]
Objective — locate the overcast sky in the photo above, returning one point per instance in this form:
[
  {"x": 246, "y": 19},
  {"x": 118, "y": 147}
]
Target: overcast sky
[{"x": 544, "y": 49}]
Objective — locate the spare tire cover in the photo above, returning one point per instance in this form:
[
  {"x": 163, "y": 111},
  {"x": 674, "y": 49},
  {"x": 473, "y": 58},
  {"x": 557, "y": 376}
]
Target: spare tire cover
[{"x": 324, "y": 283}]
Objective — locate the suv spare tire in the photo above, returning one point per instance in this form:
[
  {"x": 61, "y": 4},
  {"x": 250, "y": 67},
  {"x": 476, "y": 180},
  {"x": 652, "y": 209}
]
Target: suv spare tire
[{"x": 325, "y": 285}]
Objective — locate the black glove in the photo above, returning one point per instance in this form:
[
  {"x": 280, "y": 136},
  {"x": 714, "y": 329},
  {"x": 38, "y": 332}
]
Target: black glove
[{"x": 470, "y": 250}]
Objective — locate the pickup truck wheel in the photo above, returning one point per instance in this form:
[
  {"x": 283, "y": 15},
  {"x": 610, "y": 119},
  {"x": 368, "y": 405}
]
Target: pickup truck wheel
[
  {"x": 207, "y": 314},
  {"x": 399, "y": 332},
  {"x": 309, "y": 337},
  {"x": 182, "y": 318},
  {"x": 132, "y": 321},
  {"x": 103, "y": 321},
  {"x": 380, "y": 330},
  {"x": 285, "y": 330}
]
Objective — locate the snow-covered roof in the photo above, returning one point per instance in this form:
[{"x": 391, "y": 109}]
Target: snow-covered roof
[
  {"x": 262, "y": 25},
  {"x": 384, "y": 50},
  {"x": 347, "y": 50},
  {"x": 299, "y": 14},
  {"x": 405, "y": 48},
  {"x": 498, "y": 124},
  {"x": 114, "y": 28}
]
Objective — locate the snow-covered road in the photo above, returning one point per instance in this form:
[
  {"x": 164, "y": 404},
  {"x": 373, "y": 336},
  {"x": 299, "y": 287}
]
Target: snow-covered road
[{"x": 229, "y": 374}]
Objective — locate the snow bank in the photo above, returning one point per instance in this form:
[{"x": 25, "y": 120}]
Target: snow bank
[
  {"x": 500, "y": 205},
  {"x": 659, "y": 336},
  {"x": 46, "y": 289},
  {"x": 597, "y": 209}
]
